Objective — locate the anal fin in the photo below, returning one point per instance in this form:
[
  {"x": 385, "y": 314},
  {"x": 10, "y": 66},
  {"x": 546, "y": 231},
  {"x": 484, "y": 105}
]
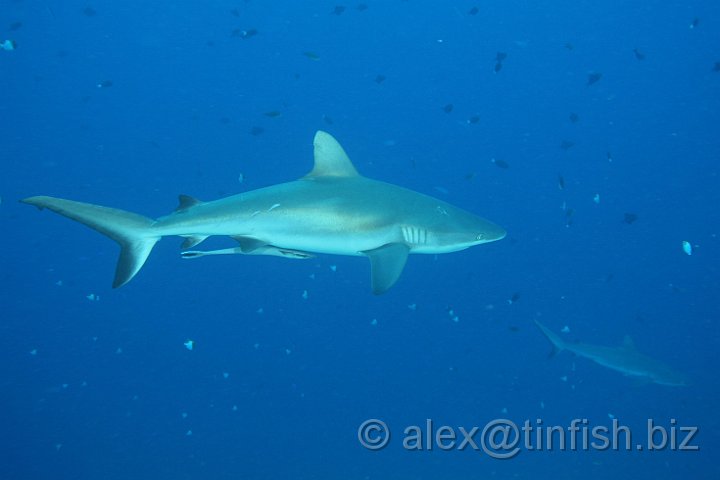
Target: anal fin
[{"x": 193, "y": 241}]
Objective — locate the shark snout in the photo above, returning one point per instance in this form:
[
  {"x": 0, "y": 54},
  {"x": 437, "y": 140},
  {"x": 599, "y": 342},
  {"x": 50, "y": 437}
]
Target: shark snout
[{"x": 490, "y": 233}]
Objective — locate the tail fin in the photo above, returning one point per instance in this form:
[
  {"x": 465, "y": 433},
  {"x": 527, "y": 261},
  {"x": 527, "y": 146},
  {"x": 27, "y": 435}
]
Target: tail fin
[
  {"x": 130, "y": 230},
  {"x": 557, "y": 342}
]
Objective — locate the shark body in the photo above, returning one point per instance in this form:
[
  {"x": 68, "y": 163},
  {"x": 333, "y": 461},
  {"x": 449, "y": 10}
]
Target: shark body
[
  {"x": 624, "y": 359},
  {"x": 332, "y": 210}
]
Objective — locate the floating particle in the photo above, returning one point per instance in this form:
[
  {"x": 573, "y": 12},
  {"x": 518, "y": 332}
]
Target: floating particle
[
  {"x": 380, "y": 79},
  {"x": 93, "y": 298},
  {"x": 260, "y": 311},
  {"x": 515, "y": 297},
  {"x": 499, "y": 58},
  {"x": 500, "y": 163},
  {"x": 338, "y": 10},
  {"x": 687, "y": 247},
  {"x": 504, "y": 410},
  {"x": 273, "y": 114},
  {"x": 234, "y": 408},
  {"x": 609, "y": 156},
  {"x": 611, "y": 416},
  {"x": 473, "y": 11},
  {"x": 241, "y": 178},
  {"x": 564, "y": 378},
  {"x": 105, "y": 84},
  {"x": 630, "y": 218},
  {"x": 695, "y": 22},
  {"x": 59, "y": 283},
  {"x": 593, "y": 78},
  {"x": 312, "y": 56},
  {"x": 442, "y": 190},
  {"x": 569, "y": 46},
  {"x": 565, "y": 329},
  {"x": 8, "y": 45},
  {"x": 89, "y": 12},
  {"x": 566, "y": 145},
  {"x": 245, "y": 34},
  {"x": 189, "y": 344},
  {"x": 574, "y": 117},
  {"x": 333, "y": 268},
  {"x": 188, "y": 433},
  {"x": 412, "y": 306},
  {"x": 184, "y": 415},
  {"x": 542, "y": 404},
  {"x": 373, "y": 322},
  {"x": 256, "y": 131},
  {"x": 474, "y": 119},
  {"x": 596, "y": 198},
  {"x": 33, "y": 351},
  {"x": 226, "y": 375},
  {"x": 638, "y": 54},
  {"x": 448, "y": 108},
  {"x": 305, "y": 295},
  {"x": 561, "y": 182},
  {"x": 288, "y": 351}
]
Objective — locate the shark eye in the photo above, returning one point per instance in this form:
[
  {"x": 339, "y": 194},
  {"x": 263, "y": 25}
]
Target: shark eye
[{"x": 480, "y": 236}]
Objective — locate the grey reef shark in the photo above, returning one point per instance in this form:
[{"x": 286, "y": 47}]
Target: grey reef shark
[
  {"x": 623, "y": 358},
  {"x": 331, "y": 210}
]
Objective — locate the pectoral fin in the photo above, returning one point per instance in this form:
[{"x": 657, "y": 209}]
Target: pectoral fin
[{"x": 386, "y": 265}]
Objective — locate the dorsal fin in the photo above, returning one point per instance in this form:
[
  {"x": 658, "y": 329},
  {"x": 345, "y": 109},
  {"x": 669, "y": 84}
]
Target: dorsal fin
[
  {"x": 628, "y": 342},
  {"x": 330, "y": 158},
  {"x": 186, "y": 201}
]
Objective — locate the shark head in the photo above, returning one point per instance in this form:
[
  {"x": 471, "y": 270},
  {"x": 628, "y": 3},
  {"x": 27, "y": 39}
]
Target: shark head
[
  {"x": 443, "y": 228},
  {"x": 669, "y": 378}
]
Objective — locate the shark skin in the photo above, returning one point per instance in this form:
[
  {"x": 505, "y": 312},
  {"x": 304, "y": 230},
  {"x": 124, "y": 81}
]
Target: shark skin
[
  {"x": 331, "y": 210},
  {"x": 623, "y": 358}
]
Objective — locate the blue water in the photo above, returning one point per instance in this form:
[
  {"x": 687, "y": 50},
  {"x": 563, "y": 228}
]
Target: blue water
[{"x": 128, "y": 104}]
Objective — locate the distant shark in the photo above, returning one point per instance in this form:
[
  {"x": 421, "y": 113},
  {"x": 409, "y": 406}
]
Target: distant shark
[
  {"x": 624, "y": 359},
  {"x": 331, "y": 210}
]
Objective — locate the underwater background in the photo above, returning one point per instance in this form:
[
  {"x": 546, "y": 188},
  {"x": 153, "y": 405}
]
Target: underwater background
[{"x": 588, "y": 130}]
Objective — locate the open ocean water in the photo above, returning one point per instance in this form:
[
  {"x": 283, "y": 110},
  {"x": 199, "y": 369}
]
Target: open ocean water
[{"x": 588, "y": 130}]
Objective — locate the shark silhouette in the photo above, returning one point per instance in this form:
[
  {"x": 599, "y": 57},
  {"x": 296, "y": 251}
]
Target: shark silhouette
[
  {"x": 331, "y": 210},
  {"x": 623, "y": 358}
]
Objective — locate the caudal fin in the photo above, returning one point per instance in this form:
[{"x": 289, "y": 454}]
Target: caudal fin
[
  {"x": 130, "y": 230},
  {"x": 557, "y": 342}
]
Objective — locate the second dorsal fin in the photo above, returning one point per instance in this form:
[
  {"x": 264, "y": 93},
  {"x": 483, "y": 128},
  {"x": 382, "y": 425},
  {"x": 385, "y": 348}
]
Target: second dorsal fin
[{"x": 186, "y": 201}]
